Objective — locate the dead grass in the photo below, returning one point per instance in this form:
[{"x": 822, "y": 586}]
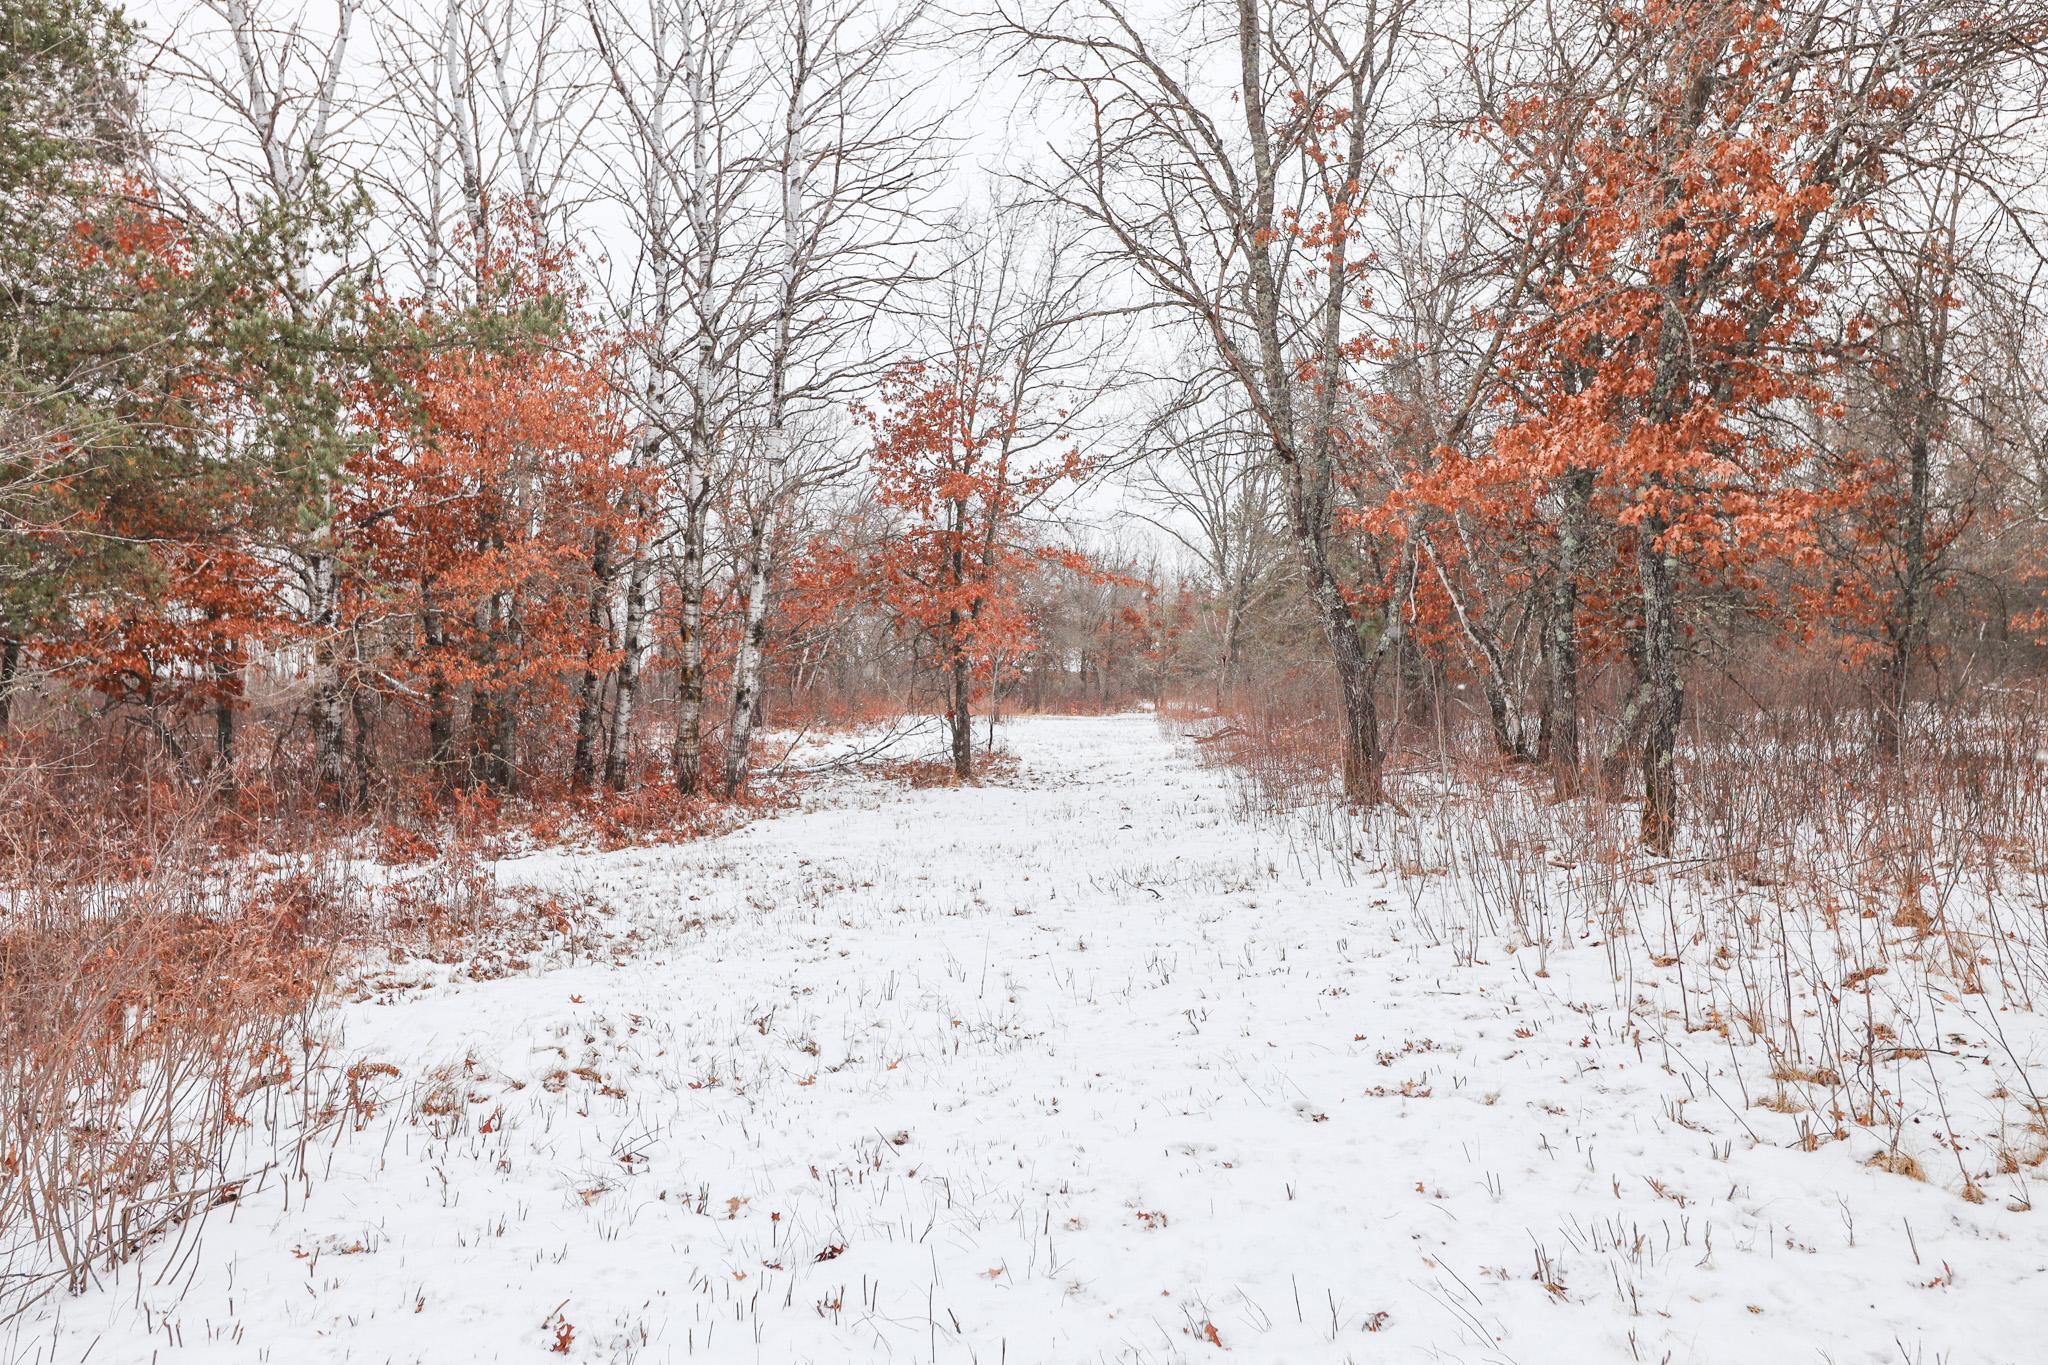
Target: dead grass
[
  {"x": 167, "y": 965},
  {"x": 1866, "y": 939},
  {"x": 990, "y": 768},
  {"x": 153, "y": 1020}
]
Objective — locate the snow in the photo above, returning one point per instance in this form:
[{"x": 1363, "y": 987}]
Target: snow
[{"x": 1080, "y": 1065}]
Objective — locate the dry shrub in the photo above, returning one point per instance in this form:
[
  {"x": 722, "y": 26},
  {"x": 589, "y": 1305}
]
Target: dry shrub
[
  {"x": 920, "y": 773},
  {"x": 159, "y": 1006},
  {"x": 457, "y": 918},
  {"x": 162, "y": 992},
  {"x": 167, "y": 949},
  {"x": 819, "y": 710},
  {"x": 430, "y": 825},
  {"x": 657, "y": 813},
  {"x": 1870, "y": 935},
  {"x": 1283, "y": 738}
]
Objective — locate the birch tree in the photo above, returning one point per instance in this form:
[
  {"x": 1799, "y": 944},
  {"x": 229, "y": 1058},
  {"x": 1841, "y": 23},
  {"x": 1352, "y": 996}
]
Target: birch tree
[
  {"x": 848, "y": 172},
  {"x": 683, "y": 83}
]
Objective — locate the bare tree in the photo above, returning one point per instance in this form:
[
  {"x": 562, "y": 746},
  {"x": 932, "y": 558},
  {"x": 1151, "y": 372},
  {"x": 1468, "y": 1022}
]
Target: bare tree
[
  {"x": 848, "y": 171},
  {"x": 681, "y": 75},
  {"x": 1933, "y": 262},
  {"x": 1231, "y": 171},
  {"x": 1217, "y": 496}
]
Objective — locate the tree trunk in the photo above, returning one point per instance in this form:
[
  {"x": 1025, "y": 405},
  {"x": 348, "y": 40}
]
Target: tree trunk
[
  {"x": 440, "y": 697},
  {"x": 995, "y": 701},
  {"x": 483, "y": 725},
  {"x": 746, "y": 680},
  {"x": 1561, "y": 641},
  {"x": 505, "y": 741},
  {"x": 1501, "y": 715},
  {"x": 1483, "y": 650},
  {"x": 618, "y": 757},
  {"x": 224, "y": 745},
  {"x": 330, "y": 776},
  {"x": 590, "y": 688},
  {"x": 224, "y": 671},
  {"x": 1363, "y": 759},
  {"x": 1233, "y": 630},
  {"x": 1906, "y": 625},
  {"x": 689, "y": 745},
  {"x": 959, "y": 701},
  {"x": 225, "y": 701},
  {"x": 359, "y": 708},
  {"x": 504, "y": 737},
  {"x": 489, "y": 764},
  {"x": 1664, "y": 690}
]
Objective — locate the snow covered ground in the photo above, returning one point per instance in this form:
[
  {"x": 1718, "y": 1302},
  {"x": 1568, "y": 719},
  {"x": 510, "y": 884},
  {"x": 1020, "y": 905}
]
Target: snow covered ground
[{"x": 1074, "y": 1067}]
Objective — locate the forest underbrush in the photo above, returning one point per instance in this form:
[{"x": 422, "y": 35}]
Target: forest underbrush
[{"x": 1844, "y": 948}]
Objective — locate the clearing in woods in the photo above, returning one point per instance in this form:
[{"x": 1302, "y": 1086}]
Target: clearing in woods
[{"x": 1080, "y": 1065}]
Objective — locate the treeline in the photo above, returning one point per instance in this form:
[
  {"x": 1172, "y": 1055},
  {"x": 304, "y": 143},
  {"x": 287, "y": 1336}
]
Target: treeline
[
  {"x": 340, "y": 477},
  {"x": 538, "y": 398},
  {"x": 233, "y": 453},
  {"x": 1586, "y": 343}
]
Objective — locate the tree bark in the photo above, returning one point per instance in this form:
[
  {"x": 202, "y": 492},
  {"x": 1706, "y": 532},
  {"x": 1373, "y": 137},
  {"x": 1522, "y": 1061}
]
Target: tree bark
[
  {"x": 1357, "y": 664},
  {"x": 1906, "y": 626},
  {"x": 689, "y": 743},
  {"x": 618, "y": 756},
  {"x": 440, "y": 698},
  {"x": 330, "y": 775},
  {"x": 224, "y": 744},
  {"x": 224, "y": 668},
  {"x": 1226, "y": 663},
  {"x": 1561, "y": 641},
  {"x": 959, "y": 700},
  {"x": 746, "y": 681},
  {"x": 590, "y": 687},
  {"x": 1503, "y": 711},
  {"x": 1664, "y": 689},
  {"x": 1363, "y": 762},
  {"x": 359, "y": 709},
  {"x": 489, "y": 707}
]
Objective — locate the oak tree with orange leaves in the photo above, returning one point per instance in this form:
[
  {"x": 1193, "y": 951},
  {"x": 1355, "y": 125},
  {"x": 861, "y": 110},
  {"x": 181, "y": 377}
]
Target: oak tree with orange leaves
[
  {"x": 1710, "y": 176},
  {"x": 946, "y": 456},
  {"x": 499, "y": 460}
]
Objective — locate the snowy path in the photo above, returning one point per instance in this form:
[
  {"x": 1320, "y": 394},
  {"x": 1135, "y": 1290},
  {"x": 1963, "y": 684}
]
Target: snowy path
[{"x": 1075, "y": 1068}]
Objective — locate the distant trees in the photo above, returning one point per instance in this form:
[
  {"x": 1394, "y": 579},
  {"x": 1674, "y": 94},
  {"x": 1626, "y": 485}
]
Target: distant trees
[
  {"x": 1216, "y": 494},
  {"x": 343, "y": 427},
  {"x": 972, "y": 445}
]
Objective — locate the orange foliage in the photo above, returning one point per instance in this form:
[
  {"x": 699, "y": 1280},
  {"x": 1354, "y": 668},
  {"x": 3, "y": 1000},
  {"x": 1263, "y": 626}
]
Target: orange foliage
[{"x": 470, "y": 514}]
